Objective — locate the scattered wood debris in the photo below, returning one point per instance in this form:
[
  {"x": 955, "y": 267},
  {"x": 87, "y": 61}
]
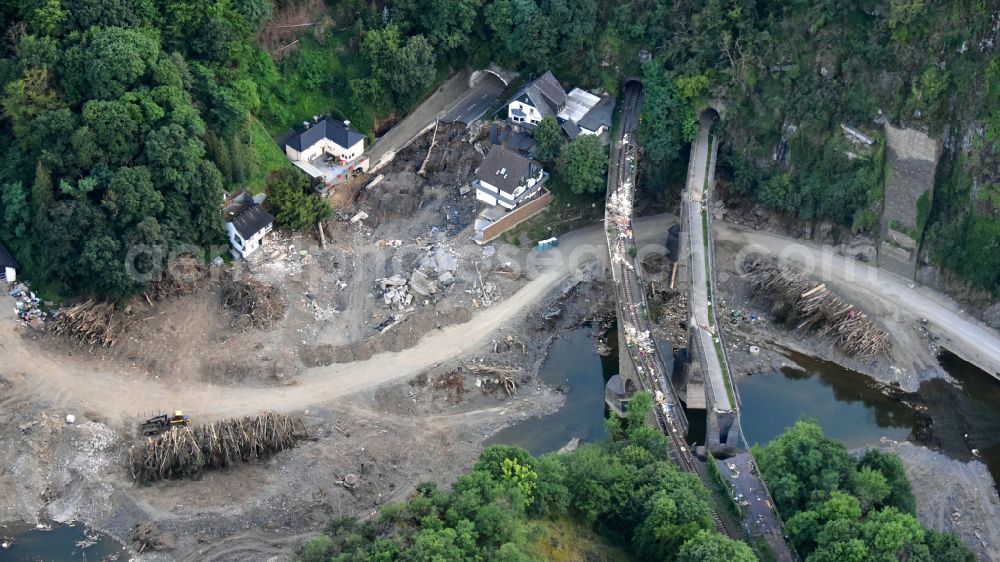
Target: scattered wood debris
[
  {"x": 505, "y": 377},
  {"x": 180, "y": 278},
  {"x": 256, "y": 304},
  {"x": 799, "y": 301},
  {"x": 146, "y": 537}
]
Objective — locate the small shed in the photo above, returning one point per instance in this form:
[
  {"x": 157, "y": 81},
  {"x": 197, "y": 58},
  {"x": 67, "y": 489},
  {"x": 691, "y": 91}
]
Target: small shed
[{"x": 8, "y": 265}]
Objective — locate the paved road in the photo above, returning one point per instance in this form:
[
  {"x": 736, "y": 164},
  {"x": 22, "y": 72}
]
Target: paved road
[
  {"x": 960, "y": 333},
  {"x": 441, "y": 101},
  {"x": 476, "y": 101},
  {"x": 698, "y": 266},
  {"x": 70, "y": 386}
]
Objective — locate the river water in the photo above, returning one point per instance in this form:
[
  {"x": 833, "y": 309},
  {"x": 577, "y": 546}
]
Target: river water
[
  {"x": 854, "y": 409},
  {"x": 850, "y": 407},
  {"x": 573, "y": 362},
  {"x": 62, "y": 543}
]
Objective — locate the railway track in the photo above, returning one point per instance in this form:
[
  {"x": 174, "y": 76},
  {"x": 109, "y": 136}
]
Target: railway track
[{"x": 648, "y": 365}]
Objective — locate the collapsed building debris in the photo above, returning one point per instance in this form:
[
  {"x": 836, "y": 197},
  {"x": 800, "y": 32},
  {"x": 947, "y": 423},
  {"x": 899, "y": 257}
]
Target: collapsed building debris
[
  {"x": 184, "y": 452},
  {"x": 91, "y": 322},
  {"x": 395, "y": 292},
  {"x": 256, "y": 305},
  {"x": 805, "y": 304}
]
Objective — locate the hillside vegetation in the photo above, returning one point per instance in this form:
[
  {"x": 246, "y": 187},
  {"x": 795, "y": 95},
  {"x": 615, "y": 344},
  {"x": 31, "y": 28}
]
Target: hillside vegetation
[{"x": 123, "y": 121}]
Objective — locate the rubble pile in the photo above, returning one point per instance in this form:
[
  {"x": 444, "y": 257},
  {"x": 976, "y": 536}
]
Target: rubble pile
[
  {"x": 642, "y": 340},
  {"x": 619, "y": 216},
  {"x": 395, "y": 292},
  {"x": 28, "y": 306}
]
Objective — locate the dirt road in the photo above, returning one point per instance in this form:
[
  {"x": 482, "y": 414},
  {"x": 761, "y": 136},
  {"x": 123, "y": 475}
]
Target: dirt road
[
  {"x": 61, "y": 382},
  {"x": 889, "y": 293}
]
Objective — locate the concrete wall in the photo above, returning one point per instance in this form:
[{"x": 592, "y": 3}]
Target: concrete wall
[
  {"x": 911, "y": 161},
  {"x": 516, "y": 217}
]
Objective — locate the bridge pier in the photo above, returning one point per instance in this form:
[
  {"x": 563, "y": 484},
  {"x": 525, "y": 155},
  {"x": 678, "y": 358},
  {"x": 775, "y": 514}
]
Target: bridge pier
[
  {"x": 690, "y": 384},
  {"x": 722, "y": 431}
]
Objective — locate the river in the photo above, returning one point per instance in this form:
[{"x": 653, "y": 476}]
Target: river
[
  {"x": 854, "y": 409},
  {"x": 574, "y": 363},
  {"x": 61, "y": 543},
  {"x": 850, "y": 407}
]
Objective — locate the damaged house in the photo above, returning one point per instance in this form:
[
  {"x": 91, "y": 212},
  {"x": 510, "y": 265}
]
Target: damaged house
[
  {"x": 579, "y": 112},
  {"x": 329, "y": 150}
]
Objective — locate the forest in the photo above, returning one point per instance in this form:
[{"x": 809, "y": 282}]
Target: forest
[
  {"x": 125, "y": 121},
  {"x": 625, "y": 494}
]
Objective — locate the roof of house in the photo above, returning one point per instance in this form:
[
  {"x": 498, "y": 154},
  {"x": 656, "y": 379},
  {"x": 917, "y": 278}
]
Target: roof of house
[
  {"x": 251, "y": 220},
  {"x": 521, "y": 142},
  {"x": 337, "y": 131},
  {"x": 599, "y": 115},
  {"x": 7, "y": 260},
  {"x": 570, "y": 129},
  {"x": 544, "y": 93},
  {"x": 505, "y": 169},
  {"x": 578, "y": 103}
]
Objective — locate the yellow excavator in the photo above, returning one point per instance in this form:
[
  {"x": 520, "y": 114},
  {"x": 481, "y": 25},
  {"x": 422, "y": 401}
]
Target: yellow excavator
[{"x": 163, "y": 423}]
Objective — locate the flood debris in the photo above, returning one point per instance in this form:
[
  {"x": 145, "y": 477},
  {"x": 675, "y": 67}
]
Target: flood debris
[
  {"x": 185, "y": 452},
  {"x": 806, "y": 305},
  {"x": 28, "y": 306},
  {"x": 502, "y": 377},
  {"x": 146, "y": 537},
  {"x": 256, "y": 304}
]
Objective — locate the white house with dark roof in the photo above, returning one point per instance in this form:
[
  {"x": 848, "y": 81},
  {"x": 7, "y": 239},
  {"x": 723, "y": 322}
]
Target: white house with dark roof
[
  {"x": 579, "y": 112},
  {"x": 247, "y": 224},
  {"x": 507, "y": 179},
  {"x": 538, "y": 99},
  {"x": 329, "y": 149}
]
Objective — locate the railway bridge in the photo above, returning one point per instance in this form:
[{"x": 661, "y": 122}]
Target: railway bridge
[{"x": 642, "y": 363}]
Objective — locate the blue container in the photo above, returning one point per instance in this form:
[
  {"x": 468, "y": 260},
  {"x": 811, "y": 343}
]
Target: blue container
[{"x": 546, "y": 244}]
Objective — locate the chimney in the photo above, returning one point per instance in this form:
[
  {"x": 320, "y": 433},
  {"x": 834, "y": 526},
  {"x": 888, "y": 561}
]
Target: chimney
[
  {"x": 316, "y": 118},
  {"x": 306, "y": 124},
  {"x": 347, "y": 124}
]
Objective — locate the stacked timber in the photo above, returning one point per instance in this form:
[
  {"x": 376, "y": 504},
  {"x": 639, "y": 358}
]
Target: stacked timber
[
  {"x": 801, "y": 303},
  {"x": 185, "y": 452},
  {"x": 91, "y": 322}
]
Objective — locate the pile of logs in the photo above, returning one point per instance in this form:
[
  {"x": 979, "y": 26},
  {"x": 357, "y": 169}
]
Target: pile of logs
[
  {"x": 91, "y": 322},
  {"x": 185, "y": 452},
  {"x": 257, "y": 305},
  {"x": 802, "y": 303}
]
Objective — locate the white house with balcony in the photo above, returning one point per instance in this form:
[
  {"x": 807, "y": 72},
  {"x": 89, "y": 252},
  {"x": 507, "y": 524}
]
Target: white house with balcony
[
  {"x": 507, "y": 179},
  {"x": 247, "y": 224},
  {"x": 328, "y": 149}
]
